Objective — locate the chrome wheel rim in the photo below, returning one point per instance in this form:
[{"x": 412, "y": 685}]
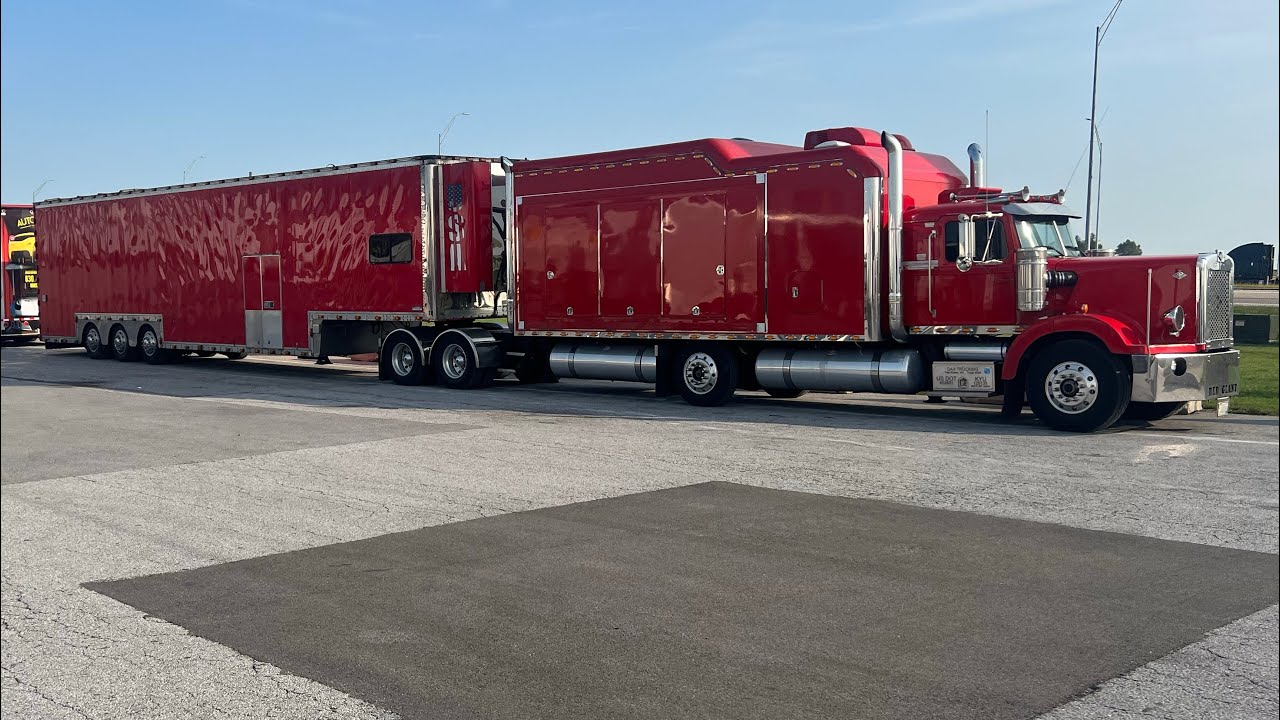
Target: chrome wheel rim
[
  {"x": 402, "y": 359},
  {"x": 149, "y": 343},
  {"x": 454, "y": 362},
  {"x": 1071, "y": 387},
  {"x": 120, "y": 341},
  {"x": 92, "y": 340},
  {"x": 700, "y": 373}
]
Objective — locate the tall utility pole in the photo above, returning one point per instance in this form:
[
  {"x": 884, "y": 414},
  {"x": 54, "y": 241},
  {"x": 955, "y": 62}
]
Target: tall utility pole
[
  {"x": 443, "y": 133},
  {"x": 1099, "y": 33}
]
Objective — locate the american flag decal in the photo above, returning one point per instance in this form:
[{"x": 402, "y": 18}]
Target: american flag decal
[
  {"x": 455, "y": 227},
  {"x": 453, "y": 196}
]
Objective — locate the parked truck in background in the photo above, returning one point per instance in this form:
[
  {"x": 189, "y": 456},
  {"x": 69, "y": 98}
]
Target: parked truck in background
[
  {"x": 19, "y": 284},
  {"x": 852, "y": 263}
]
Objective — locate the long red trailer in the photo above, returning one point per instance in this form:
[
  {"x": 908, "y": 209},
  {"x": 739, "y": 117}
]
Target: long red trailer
[{"x": 853, "y": 262}]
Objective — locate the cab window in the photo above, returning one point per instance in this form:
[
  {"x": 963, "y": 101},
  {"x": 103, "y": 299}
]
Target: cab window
[{"x": 988, "y": 235}]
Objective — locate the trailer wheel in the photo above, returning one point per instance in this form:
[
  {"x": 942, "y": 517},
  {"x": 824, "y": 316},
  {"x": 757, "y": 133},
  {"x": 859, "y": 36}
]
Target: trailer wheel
[
  {"x": 1078, "y": 386},
  {"x": 1151, "y": 411},
  {"x": 785, "y": 394},
  {"x": 94, "y": 347},
  {"x": 707, "y": 375},
  {"x": 149, "y": 344},
  {"x": 120, "y": 347},
  {"x": 236, "y": 355},
  {"x": 454, "y": 365},
  {"x": 404, "y": 361}
]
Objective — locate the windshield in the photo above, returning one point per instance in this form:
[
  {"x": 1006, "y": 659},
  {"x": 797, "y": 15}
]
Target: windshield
[{"x": 1049, "y": 232}]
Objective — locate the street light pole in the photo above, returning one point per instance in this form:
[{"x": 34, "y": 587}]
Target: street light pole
[
  {"x": 1099, "y": 33},
  {"x": 1093, "y": 130},
  {"x": 443, "y": 133},
  {"x": 189, "y": 166},
  {"x": 37, "y": 190}
]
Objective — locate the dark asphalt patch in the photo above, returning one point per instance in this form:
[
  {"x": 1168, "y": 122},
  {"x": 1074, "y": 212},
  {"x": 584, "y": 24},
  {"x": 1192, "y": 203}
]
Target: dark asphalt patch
[{"x": 718, "y": 600}]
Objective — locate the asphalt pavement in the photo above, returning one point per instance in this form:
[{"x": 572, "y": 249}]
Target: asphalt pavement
[{"x": 167, "y": 487}]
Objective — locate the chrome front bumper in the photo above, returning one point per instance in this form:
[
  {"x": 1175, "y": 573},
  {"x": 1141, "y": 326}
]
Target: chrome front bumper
[{"x": 1185, "y": 377}]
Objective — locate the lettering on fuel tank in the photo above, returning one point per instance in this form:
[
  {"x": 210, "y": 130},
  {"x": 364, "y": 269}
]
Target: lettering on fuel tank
[{"x": 1219, "y": 390}]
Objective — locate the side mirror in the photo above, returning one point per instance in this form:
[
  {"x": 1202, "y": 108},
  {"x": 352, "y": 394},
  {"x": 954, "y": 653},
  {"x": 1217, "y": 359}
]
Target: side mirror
[{"x": 968, "y": 244}]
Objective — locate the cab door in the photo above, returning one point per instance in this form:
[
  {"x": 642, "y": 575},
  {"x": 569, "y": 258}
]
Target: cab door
[{"x": 977, "y": 291}]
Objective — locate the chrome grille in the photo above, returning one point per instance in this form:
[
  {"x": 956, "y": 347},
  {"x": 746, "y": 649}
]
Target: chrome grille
[{"x": 1216, "y": 311}]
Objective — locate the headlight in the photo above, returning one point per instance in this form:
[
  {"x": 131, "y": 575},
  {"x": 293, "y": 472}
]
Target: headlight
[{"x": 1175, "y": 320}]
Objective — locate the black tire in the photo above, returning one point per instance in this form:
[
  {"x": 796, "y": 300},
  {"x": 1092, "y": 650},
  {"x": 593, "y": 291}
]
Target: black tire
[
  {"x": 404, "y": 360},
  {"x": 785, "y": 394},
  {"x": 149, "y": 347},
  {"x": 236, "y": 355},
  {"x": 454, "y": 364},
  {"x": 1078, "y": 386},
  {"x": 120, "y": 347},
  {"x": 707, "y": 374},
  {"x": 205, "y": 353},
  {"x": 1151, "y": 411},
  {"x": 95, "y": 346}
]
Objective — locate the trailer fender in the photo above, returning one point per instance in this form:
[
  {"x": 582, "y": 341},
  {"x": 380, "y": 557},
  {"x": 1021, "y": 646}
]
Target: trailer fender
[
  {"x": 487, "y": 349},
  {"x": 1118, "y": 337}
]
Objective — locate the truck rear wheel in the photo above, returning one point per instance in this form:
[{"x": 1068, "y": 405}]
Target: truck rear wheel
[
  {"x": 94, "y": 346},
  {"x": 120, "y": 347},
  {"x": 454, "y": 365},
  {"x": 404, "y": 361},
  {"x": 1078, "y": 386},
  {"x": 707, "y": 375}
]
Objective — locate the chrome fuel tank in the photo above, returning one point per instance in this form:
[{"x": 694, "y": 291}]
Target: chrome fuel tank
[
  {"x": 586, "y": 361},
  {"x": 885, "y": 371}
]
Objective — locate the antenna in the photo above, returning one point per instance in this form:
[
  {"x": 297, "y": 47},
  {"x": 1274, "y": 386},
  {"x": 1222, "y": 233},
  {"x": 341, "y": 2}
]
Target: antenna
[{"x": 190, "y": 165}]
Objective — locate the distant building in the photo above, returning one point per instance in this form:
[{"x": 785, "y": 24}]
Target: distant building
[{"x": 1255, "y": 263}]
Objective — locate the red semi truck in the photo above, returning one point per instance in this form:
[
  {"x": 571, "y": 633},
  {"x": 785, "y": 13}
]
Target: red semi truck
[{"x": 852, "y": 263}]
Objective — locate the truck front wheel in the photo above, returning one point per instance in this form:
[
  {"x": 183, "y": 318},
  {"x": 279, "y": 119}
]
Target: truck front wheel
[
  {"x": 1078, "y": 386},
  {"x": 707, "y": 375}
]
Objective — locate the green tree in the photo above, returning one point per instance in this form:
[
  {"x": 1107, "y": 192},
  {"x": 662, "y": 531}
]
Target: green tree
[{"x": 1128, "y": 247}]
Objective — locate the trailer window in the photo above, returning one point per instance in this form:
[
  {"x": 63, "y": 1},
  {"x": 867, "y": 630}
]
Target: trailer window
[
  {"x": 391, "y": 248},
  {"x": 988, "y": 236}
]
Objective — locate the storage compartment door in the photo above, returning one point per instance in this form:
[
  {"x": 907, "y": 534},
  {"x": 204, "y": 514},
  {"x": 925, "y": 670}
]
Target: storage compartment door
[
  {"x": 251, "y": 274},
  {"x": 272, "y": 322},
  {"x": 693, "y": 258}
]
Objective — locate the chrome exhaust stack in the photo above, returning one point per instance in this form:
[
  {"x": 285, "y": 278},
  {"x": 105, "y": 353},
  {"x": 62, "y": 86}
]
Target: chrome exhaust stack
[
  {"x": 894, "y": 189},
  {"x": 977, "y": 166}
]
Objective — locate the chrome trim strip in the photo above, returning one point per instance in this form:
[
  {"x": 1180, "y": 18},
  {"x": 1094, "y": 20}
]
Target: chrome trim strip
[
  {"x": 763, "y": 337},
  {"x": 984, "y": 330},
  {"x": 259, "y": 179},
  {"x": 871, "y": 194}
]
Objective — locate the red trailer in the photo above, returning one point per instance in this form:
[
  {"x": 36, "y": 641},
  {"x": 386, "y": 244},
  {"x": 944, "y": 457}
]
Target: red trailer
[{"x": 851, "y": 263}]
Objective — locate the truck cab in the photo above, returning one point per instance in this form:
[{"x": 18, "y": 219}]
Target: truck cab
[{"x": 1091, "y": 336}]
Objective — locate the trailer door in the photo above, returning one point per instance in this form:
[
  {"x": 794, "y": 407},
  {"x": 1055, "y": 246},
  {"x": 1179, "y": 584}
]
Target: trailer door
[{"x": 263, "y": 325}]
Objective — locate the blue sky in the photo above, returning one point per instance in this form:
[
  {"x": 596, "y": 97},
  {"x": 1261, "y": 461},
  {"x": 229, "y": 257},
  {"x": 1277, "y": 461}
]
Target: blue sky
[{"x": 103, "y": 96}]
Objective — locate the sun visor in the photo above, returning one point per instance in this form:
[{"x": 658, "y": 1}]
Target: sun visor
[{"x": 1040, "y": 208}]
